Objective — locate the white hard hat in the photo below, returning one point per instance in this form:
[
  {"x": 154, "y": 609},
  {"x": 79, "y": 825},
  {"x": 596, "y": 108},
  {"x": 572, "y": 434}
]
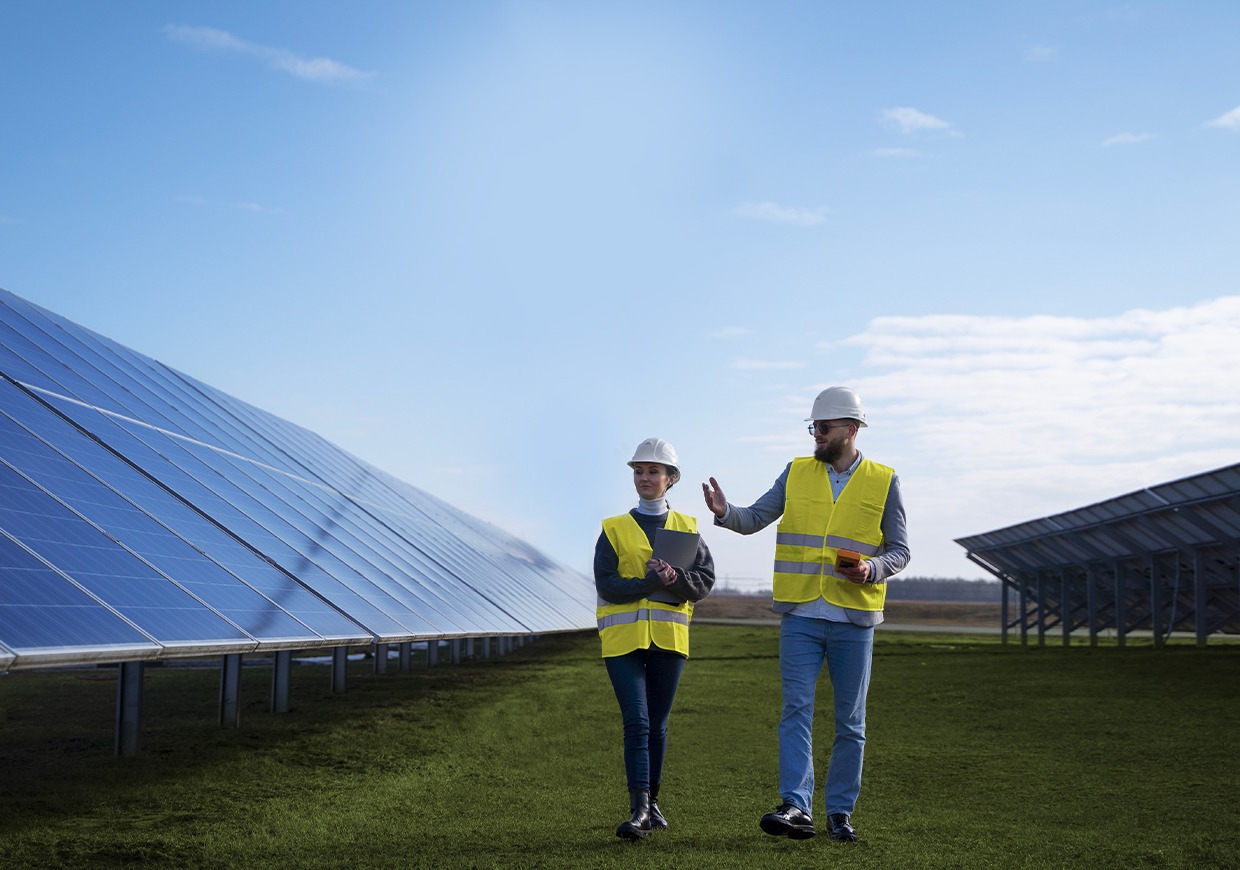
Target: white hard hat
[
  {"x": 658, "y": 450},
  {"x": 837, "y": 403}
]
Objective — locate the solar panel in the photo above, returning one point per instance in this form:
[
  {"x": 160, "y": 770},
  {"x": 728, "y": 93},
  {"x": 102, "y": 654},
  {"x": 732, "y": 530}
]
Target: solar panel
[
  {"x": 184, "y": 559},
  {"x": 39, "y": 607},
  {"x": 1164, "y": 558},
  {"x": 146, "y": 514}
]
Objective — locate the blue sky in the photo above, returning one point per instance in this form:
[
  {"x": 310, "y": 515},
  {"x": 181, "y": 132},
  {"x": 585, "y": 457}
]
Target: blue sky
[{"x": 490, "y": 246}]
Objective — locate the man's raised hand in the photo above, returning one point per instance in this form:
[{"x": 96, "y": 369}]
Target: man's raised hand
[{"x": 714, "y": 498}]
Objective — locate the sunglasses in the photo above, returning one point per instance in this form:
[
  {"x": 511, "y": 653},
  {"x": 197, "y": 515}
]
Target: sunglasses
[{"x": 822, "y": 427}]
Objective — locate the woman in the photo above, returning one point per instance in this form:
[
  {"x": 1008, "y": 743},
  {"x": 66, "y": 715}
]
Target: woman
[{"x": 644, "y": 608}]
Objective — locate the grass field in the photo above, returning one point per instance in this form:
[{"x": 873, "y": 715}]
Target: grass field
[{"x": 978, "y": 755}]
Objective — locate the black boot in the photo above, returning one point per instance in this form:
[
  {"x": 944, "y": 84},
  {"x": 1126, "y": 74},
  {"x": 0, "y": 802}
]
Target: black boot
[
  {"x": 657, "y": 822},
  {"x": 637, "y": 827}
]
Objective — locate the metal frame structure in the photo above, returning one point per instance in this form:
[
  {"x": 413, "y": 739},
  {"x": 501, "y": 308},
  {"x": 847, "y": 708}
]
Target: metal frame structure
[{"x": 1159, "y": 560}]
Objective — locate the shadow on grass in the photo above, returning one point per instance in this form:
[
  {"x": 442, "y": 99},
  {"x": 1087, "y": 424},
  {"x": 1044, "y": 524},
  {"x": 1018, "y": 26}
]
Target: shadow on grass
[{"x": 57, "y": 737}]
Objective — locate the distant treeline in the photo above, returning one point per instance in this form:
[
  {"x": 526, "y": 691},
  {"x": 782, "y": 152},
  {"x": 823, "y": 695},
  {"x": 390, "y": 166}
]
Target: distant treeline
[
  {"x": 898, "y": 588},
  {"x": 939, "y": 589}
]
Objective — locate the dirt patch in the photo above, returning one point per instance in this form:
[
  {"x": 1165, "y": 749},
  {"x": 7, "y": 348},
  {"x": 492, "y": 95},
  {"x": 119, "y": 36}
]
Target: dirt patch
[{"x": 964, "y": 613}]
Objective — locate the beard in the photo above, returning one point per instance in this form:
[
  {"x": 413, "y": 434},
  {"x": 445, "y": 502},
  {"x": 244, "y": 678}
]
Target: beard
[{"x": 831, "y": 453}]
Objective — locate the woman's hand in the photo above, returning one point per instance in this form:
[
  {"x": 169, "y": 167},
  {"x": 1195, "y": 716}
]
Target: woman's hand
[{"x": 665, "y": 572}]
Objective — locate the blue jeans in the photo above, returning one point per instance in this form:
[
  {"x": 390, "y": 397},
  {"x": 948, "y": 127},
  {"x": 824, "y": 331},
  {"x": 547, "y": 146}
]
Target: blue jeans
[
  {"x": 645, "y": 682},
  {"x": 846, "y": 648}
]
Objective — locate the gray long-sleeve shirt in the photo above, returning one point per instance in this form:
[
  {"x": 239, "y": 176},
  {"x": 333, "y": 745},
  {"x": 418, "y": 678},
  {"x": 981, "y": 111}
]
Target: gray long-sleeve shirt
[
  {"x": 692, "y": 584},
  {"x": 891, "y": 557}
]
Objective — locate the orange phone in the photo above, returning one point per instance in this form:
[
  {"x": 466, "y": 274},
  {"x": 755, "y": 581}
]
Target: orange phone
[{"x": 847, "y": 558}]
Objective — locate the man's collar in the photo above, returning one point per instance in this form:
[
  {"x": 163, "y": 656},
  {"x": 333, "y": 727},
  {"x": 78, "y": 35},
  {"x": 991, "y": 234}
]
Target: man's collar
[{"x": 850, "y": 469}]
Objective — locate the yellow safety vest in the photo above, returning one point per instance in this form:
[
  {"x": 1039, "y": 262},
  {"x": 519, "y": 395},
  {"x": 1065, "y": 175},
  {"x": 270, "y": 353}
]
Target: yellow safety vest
[
  {"x": 815, "y": 525},
  {"x": 660, "y": 618}
]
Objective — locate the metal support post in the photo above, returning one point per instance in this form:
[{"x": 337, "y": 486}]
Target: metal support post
[
  {"x": 281, "y": 674},
  {"x": 1065, "y": 610},
  {"x": 381, "y": 657},
  {"x": 406, "y": 655},
  {"x": 1201, "y": 597},
  {"x": 1041, "y": 610},
  {"x": 340, "y": 668},
  {"x": 1156, "y": 614},
  {"x": 1024, "y": 610},
  {"x": 1003, "y": 625},
  {"x": 230, "y": 690},
  {"x": 128, "y": 708},
  {"x": 1091, "y": 602},
  {"x": 1121, "y": 603}
]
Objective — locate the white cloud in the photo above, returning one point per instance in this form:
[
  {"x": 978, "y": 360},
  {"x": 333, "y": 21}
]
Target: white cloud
[
  {"x": 316, "y": 69},
  {"x": 1127, "y": 139},
  {"x": 765, "y": 365},
  {"x": 240, "y": 205},
  {"x": 1041, "y": 53},
  {"x": 781, "y": 214},
  {"x": 730, "y": 332},
  {"x": 1228, "y": 121},
  {"x": 993, "y": 421},
  {"x": 256, "y": 207},
  {"x": 896, "y": 152},
  {"x": 909, "y": 121}
]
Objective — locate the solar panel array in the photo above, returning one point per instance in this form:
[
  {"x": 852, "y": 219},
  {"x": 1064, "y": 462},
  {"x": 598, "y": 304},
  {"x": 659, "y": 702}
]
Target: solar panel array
[
  {"x": 145, "y": 514},
  {"x": 1166, "y": 557}
]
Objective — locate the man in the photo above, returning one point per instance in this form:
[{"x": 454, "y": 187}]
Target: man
[{"x": 842, "y": 535}]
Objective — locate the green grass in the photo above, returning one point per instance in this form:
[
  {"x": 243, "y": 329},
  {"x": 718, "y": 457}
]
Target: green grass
[{"x": 978, "y": 755}]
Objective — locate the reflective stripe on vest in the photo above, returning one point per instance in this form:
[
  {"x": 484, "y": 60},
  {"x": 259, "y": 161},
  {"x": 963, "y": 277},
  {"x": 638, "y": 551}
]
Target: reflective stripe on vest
[
  {"x": 815, "y": 526},
  {"x": 631, "y": 616},
  {"x": 660, "y": 618}
]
